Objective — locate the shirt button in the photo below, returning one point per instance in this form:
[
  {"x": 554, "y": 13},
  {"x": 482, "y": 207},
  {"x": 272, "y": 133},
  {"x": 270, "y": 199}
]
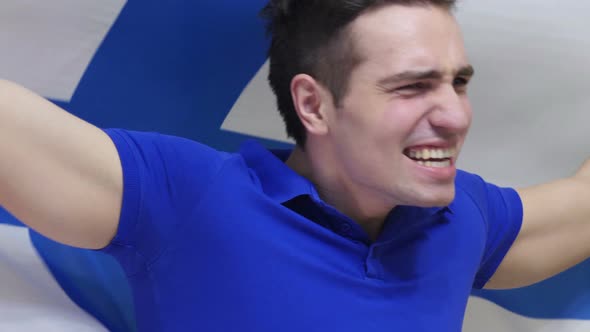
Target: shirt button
[{"x": 345, "y": 229}]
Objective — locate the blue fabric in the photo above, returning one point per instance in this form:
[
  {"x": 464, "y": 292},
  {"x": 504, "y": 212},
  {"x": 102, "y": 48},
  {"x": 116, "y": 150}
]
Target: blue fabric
[
  {"x": 93, "y": 280},
  {"x": 97, "y": 285},
  {"x": 176, "y": 67},
  {"x": 564, "y": 296},
  {"x": 497, "y": 206},
  {"x": 213, "y": 241},
  {"x": 7, "y": 218}
]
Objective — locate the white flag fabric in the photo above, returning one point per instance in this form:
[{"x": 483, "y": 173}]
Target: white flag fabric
[
  {"x": 30, "y": 298},
  {"x": 197, "y": 69}
]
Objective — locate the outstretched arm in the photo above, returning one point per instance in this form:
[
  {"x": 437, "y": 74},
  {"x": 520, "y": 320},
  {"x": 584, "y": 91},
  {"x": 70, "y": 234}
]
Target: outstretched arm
[
  {"x": 58, "y": 174},
  {"x": 555, "y": 233}
]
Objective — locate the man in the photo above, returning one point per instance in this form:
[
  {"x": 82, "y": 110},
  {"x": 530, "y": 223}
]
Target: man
[{"x": 365, "y": 225}]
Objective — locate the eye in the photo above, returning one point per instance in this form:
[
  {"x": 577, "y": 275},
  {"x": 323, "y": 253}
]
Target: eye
[
  {"x": 415, "y": 86},
  {"x": 461, "y": 82},
  {"x": 414, "y": 89}
]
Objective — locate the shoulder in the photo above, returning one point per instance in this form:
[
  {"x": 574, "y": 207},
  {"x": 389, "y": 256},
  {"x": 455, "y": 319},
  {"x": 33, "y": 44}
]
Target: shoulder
[
  {"x": 169, "y": 153},
  {"x": 492, "y": 201},
  {"x": 470, "y": 187}
]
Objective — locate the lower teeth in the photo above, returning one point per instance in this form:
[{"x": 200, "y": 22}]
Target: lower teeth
[{"x": 435, "y": 164}]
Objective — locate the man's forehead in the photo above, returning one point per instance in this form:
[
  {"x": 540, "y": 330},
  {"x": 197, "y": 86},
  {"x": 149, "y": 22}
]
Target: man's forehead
[{"x": 410, "y": 38}]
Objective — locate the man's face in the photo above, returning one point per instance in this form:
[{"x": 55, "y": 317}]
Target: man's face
[{"x": 399, "y": 128}]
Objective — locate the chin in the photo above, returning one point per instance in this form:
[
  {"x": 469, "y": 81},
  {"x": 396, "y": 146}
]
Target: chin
[{"x": 439, "y": 198}]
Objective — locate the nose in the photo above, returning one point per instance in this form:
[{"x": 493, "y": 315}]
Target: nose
[{"x": 452, "y": 111}]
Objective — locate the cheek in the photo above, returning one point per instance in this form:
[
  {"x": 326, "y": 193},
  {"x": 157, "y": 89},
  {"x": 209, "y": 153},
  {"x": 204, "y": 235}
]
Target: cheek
[
  {"x": 356, "y": 123},
  {"x": 364, "y": 141},
  {"x": 403, "y": 117}
]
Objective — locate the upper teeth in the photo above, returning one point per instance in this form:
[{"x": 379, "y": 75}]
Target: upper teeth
[{"x": 426, "y": 154}]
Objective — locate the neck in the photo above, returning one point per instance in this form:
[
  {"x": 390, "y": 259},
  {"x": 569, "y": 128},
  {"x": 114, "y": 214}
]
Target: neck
[{"x": 362, "y": 206}]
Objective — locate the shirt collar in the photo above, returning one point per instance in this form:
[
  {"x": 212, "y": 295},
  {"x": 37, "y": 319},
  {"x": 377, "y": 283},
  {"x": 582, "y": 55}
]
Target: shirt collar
[
  {"x": 403, "y": 221},
  {"x": 277, "y": 179},
  {"x": 282, "y": 184}
]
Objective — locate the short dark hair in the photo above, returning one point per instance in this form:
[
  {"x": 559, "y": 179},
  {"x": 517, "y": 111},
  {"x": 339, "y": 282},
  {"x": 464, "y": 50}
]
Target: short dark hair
[{"x": 310, "y": 37}]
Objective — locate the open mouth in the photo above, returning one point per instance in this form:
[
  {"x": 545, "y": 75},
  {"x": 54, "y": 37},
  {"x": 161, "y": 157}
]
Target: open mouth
[{"x": 431, "y": 157}]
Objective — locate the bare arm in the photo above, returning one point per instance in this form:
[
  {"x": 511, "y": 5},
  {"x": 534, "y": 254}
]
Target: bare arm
[
  {"x": 555, "y": 234},
  {"x": 58, "y": 174}
]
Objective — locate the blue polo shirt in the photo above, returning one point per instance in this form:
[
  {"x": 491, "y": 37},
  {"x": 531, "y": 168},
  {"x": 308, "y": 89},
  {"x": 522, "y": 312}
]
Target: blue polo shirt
[{"x": 215, "y": 241}]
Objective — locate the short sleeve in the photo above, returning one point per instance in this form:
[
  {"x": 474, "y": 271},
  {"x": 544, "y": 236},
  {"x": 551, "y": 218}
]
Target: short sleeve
[
  {"x": 164, "y": 177},
  {"x": 502, "y": 213}
]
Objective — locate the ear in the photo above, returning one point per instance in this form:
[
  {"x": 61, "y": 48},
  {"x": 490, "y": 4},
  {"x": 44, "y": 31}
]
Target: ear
[{"x": 310, "y": 99}]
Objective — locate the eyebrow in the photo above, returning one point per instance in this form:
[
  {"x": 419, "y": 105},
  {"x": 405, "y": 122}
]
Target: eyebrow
[{"x": 414, "y": 75}]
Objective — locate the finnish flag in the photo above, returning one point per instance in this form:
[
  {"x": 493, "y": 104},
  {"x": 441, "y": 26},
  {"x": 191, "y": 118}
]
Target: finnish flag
[{"x": 197, "y": 69}]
